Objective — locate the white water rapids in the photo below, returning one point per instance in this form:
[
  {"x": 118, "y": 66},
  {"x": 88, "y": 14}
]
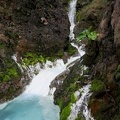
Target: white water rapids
[
  {"x": 35, "y": 103},
  {"x": 71, "y": 15},
  {"x": 82, "y": 103}
]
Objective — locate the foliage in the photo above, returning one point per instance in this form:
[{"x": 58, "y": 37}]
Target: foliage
[
  {"x": 87, "y": 33},
  {"x": 9, "y": 72},
  {"x": 73, "y": 98},
  {"x": 65, "y": 112},
  {"x": 97, "y": 86},
  {"x": 71, "y": 88},
  {"x": 80, "y": 116},
  {"x": 6, "y": 78},
  {"x": 71, "y": 50},
  {"x": 60, "y": 103},
  {"x": 117, "y": 74},
  {"x": 1, "y": 46},
  {"x": 32, "y": 58}
]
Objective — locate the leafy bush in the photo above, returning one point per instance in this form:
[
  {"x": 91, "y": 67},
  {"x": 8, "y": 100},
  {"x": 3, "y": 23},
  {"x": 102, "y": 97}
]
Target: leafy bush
[
  {"x": 10, "y": 72},
  {"x": 80, "y": 116},
  {"x": 73, "y": 98},
  {"x": 60, "y": 103},
  {"x": 65, "y": 112},
  {"x": 32, "y": 58},
  {"x": 1, "y": 46},
  {"x": 87, "y": 33},
  {"x": 97, "y": 86}
]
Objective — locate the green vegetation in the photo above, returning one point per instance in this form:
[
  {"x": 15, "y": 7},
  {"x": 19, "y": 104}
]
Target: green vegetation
[
  {"x": 71, "y": 50},
  {"x": 1, "y": 46},
  {"x": 10, "y": 72},
  {"x": 73, "y": 98},
  {"x": 87, "y": 33},
  {"x": 32, "y": 59},
  {"x": 117, "y": 74},
  {"x": 97, "y": 86},
  {"x": 71, "y": 88},
  {"x": 65, "y": 112},
  {"x": 91, "y": 9},
  {"x": 80, "y": 116},
  {"x": 60, "y": 103}
]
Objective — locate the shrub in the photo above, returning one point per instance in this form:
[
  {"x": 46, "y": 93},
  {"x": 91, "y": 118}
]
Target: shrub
[
  {"x": 87, "y": 33},
  {"x": 73, "y": 98},
  {"x": 65, "y": 112},
  {"x": 97, "y": 86}
]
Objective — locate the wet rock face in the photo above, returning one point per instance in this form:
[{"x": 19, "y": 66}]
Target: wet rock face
[
  {"x": 102, "y": 56},
  {"x": 69, "y": 82},
  {"x": 36, "y": 26},
  {"x": 106, "y": 66},
  {"x": 115, "y": 21},
  {"x": 89, "y": 13},
  {"x": 41, "y": 23}
]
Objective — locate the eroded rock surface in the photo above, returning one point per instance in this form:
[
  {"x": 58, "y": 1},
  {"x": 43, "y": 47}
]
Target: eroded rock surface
[{"x": 38, "y": 27}]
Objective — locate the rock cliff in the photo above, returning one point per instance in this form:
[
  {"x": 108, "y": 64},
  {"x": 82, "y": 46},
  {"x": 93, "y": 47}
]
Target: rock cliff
[
  {"x": 102, "y": 58},
  {"x": 29, "y": 28}
]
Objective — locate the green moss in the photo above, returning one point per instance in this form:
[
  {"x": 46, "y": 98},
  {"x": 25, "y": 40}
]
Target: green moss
[
  {"x": 73, "y": 98},
  {"x": 118, "y": 68},
  {"x": 10, "y": 71},
  {"x": 60, "y": 103},
  {"x": 65, "y": 112},
  {"x": 71, "y": 88},
  {"x": 71, "y": 50},
  {"x": 11, "y": 90},
  {"x": 9, "y": 74},
  {"x": 1, "y": 46},
  {"x": 80, "y": 117},
  {"x": 117, "y": 74},
  {"x": 87, "y": 34},
  {"x": 60, "y": 53},
  {"x": 97, "y": 86},
  {"x": 32, "y": 58},
  {"x": 6, "y": 78},
  {"x": 93, "y": 8}
]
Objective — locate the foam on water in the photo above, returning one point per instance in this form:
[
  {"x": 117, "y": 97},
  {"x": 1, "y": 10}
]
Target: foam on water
[{"x": 36, "y": 103}]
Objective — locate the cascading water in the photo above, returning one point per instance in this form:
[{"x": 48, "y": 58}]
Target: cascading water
[
  {"x": 82, "y": 102},
  {"x": 71, "y": 15},
  {"x": 36, "y": 103}
]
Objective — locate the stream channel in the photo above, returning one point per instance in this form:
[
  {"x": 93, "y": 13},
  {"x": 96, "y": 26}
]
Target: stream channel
[{"x": 35, "y": 103}]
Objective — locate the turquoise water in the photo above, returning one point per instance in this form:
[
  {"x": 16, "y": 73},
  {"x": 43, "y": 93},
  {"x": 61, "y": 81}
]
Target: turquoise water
[{"x": 30, "y": 108}]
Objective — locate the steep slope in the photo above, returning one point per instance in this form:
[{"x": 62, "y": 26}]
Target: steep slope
[
  {"x": 31, "y": 29},
  {"x": 102, "y": 58}
]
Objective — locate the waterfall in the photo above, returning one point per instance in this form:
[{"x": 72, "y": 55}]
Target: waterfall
[
  {"x": 71, "y": 15},
  {"x": 35, "y": 103},
  {"x": 83, "y": 94},
  {"x": 81, "y": 104}
]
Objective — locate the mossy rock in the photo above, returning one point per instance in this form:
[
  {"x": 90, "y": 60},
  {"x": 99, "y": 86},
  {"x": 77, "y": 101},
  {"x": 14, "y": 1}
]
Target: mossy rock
[
  {"x": 9, "y": 70},
  {"x": 80, "y": 116},
  {"x": 92, "y": 10},
  {"x": 65, "y": 112},
  {"x": 97, "y": 86},
  {"x": 90, "y": 15},
  {"x": 117, "y": 75},
  {"x": 73, "y": 98}
]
